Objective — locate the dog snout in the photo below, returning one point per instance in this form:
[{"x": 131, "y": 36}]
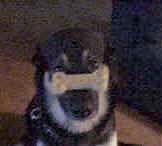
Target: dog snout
[{"x": 80, "y": 103}]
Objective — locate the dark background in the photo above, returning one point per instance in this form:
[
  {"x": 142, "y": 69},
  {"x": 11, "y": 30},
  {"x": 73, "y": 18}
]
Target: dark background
[{"x": 137, "y": 37}]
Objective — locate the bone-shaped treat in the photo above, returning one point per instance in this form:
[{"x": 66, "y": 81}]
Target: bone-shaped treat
[{"x": 62, "y": 82}]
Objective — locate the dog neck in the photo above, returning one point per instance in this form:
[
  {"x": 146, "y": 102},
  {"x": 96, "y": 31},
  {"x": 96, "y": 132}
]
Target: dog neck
[{"x": 111, "y": 142}]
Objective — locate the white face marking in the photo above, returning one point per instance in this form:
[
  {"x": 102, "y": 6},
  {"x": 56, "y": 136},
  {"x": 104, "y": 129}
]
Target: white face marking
[
  {"x": 66, "y": 122},
  {"x": 56, "y": 110},
  {"x": 112, "y": 142},
  {"x": 61, "y": 82}
]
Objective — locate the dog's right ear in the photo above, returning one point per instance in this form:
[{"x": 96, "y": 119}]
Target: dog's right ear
[{"x": 38, "y": 60}]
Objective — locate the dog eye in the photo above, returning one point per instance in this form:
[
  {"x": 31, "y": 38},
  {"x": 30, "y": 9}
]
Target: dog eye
[
  {"x": 96, "y": 63},
  {"x": 93, "y": 62},
  {"x": 92, "y": 65}
]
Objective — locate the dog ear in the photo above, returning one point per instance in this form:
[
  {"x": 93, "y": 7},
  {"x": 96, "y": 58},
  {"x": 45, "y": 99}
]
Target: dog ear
[
  {"x": 110, "y": 59},
  {"x": 38, "y": 60}
]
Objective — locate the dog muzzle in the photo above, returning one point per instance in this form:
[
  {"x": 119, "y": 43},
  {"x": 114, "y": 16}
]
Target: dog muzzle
[{"x": 62, "y": 82}]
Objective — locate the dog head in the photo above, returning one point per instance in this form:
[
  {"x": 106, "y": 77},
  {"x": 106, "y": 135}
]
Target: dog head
[{"x": 74, "y": 76}]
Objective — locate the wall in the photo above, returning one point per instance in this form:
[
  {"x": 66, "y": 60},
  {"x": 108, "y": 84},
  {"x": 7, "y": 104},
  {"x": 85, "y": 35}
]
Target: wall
[{"x": 25, "y": 23}]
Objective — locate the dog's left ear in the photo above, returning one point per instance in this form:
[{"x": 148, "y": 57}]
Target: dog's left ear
[
  {"x": 110, "y": 59},
  {"x": 35, "y": 59},
  {"x": 38, "y": 60}
]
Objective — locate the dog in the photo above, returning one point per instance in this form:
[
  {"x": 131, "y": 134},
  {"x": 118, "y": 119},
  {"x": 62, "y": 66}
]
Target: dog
[{"x": 74, "y": 104}]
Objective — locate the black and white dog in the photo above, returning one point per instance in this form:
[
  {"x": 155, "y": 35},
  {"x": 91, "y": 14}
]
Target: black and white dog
[{"x": 73, "y": 105}]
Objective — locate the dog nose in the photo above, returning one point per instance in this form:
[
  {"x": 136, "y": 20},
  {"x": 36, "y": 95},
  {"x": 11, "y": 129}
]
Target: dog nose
[
  {"x": 87, "y": 112},
  {"x": 80, "y": 104},
  {"x": 82, "y": 113}
]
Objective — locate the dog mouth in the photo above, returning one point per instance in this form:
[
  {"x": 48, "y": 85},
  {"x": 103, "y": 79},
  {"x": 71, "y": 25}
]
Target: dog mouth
[
  {"x": 76, "y": 114},
  {"x": 79, "y": 104}
]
